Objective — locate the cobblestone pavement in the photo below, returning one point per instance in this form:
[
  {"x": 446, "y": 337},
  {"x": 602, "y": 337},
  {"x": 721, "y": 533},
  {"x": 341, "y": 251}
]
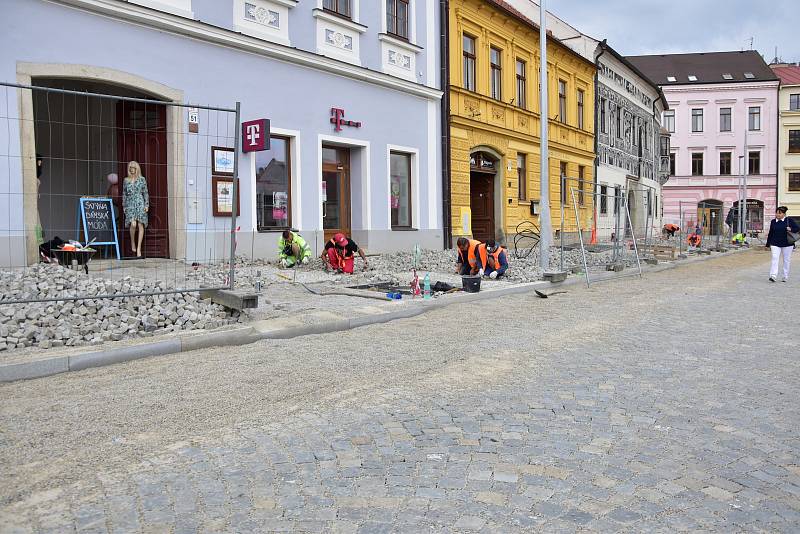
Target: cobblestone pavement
[{"x": 663, "y": 404}]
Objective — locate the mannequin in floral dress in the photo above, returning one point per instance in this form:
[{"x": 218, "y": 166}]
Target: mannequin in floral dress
[{"x": 135, "y": 205}]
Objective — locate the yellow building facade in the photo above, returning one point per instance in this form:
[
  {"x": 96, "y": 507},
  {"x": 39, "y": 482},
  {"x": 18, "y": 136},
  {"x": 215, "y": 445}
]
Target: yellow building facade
[{"x": 494, "y": 123}]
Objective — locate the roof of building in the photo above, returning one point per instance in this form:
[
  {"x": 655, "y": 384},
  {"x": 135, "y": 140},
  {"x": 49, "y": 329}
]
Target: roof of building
[
  {"x": 789, "y": 74},
  {"x": 705, "y": 68},
  {"x": 605, "y": 46},
  {"x": 514, "y": 12}
]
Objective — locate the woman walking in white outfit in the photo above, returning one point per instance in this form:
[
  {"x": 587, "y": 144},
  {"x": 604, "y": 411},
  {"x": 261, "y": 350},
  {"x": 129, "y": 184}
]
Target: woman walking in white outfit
[{"x": 778, "y": 243}]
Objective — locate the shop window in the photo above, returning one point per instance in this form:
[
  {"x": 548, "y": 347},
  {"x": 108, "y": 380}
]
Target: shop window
[
  {"x": 400, "y": 169},
  {"x": 340, "y": 7},
  {"x": 274, "y": 186},
  {"x": 522, "y": 178},
  {"x": 397, "y": 18}
]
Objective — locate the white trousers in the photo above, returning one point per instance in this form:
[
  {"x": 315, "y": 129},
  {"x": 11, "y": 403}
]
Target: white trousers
[{"x": 776, "y": 256}]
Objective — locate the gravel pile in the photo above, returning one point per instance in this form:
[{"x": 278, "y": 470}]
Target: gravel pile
[{"x": 93, "y": 321}]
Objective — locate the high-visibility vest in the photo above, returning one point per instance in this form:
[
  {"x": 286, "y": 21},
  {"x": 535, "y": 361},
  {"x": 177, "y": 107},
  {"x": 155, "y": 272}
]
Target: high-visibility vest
[
  {"x": 484, "y": 254},
  {"x": 471, "y": 257}
]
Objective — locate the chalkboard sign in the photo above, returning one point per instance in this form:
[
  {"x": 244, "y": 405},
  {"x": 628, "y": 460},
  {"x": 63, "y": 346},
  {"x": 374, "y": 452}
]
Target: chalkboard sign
[{"x": 99, "y": 223}]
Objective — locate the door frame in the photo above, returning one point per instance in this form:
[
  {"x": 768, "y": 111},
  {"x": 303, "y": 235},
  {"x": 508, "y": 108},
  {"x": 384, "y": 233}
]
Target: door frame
[
  {"x": 497, "y": 184},
  {"x": 363, "y": 175},
  {"x": 175, "y": 141},
  {"x": 345, "y": 198}
]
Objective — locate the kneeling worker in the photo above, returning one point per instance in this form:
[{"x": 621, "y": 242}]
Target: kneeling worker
[
  {"x": 670, "y": 229},
  {"x": 340, "y": 254},
  {"x": 467, "y": 261},
  {"x": 493, "y": 259},
  {"x": 293, "y": 249}
]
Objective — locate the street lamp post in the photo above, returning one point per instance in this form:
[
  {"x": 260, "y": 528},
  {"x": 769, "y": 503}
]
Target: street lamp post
[{"x": 544, "y": 162}]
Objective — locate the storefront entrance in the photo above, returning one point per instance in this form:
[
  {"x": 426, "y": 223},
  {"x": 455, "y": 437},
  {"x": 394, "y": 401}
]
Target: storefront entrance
[
  {"x": 336, "y": 216},
  {"x": 481, "y": 192},
  {"x": 709, "y": 217}
]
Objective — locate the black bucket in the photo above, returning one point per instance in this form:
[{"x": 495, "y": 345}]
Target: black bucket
[{"x": 471, "y": 284}]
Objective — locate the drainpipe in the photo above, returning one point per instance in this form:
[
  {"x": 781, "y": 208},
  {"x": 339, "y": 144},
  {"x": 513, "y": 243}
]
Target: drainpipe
[{"x": 444, "y": 70}]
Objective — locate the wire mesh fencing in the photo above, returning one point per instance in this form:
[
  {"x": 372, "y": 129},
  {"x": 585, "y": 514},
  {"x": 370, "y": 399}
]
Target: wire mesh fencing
[
  {"x": 608, "y": 240},
  {"x": 105, "y": 192}
]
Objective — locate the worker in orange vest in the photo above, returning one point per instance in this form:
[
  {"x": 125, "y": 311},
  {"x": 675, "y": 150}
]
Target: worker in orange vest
[
  {"x": 467, "y": 261},
  {"x": 493, "y": 259}
]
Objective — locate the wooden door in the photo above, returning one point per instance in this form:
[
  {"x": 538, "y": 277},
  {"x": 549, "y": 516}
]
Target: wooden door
[
  {"x": 481, "y": 191},
  {"x": 142, "y": 137},
  {"x": 336, "y": 215}
]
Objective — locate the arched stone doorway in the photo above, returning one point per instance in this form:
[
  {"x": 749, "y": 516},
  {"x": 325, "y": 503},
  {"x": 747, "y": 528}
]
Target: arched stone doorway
[
  {"x": 108, "y": 81},
  {"x": 483, "y": 170}
]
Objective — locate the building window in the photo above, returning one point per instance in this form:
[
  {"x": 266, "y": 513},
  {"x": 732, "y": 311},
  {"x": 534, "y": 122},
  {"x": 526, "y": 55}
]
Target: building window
[
  {"x": 562, "y": 101},
  {"x": 580, "y": 109},
  {"x": 340, "y": 7},
  {"x": 617, "y": 198},
  {"x": 522, "y": 178},
  {"x": 397, "y": 18},
  {"x": 580, "y": 184},
  {"x": 400, "y": 169},
  {"x": 754, "y": 119},
  {"x": 603, "y": 200},
  {"x": 563, "y": 181},
  {"x": 794, "y": 141},
  {"x": 669, "y": 121},
  {"x": 697, "y": 120},
  {"x": 725, "y": 163},
  {"x": 697, "y": 164},
  {"x": 754, "y": 165},
  {"x": 672, "y": 164},
  {"x": 274, "y": 186},
  {"x": 619, "y": 121},
  {"x": 521, "y": 85},
  {"x": 469, "y": 63},
  {"x": 724, "y": 119},
  {"x": 496, "y": 74},
  {"x": 794, "y": 181},
  {"x": 602, "y": 115},
  {"x": 794, "y": 102}
]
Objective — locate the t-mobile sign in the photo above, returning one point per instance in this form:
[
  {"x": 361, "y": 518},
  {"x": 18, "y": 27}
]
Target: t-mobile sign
[{"x": 255, "y": 135}]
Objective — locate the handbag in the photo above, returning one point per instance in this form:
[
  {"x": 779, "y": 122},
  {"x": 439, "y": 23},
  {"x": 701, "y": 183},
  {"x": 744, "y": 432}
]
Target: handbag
[{"x": 791, "y": 237}]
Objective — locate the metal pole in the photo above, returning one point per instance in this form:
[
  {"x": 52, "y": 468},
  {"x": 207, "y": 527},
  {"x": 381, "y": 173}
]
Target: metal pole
[
  {"x": 235, "y": 191},
  {"x": 580, "y": 236},
  {"x": 633, "y": 236},
  {"x": 563, "y": 182},
  {"x": 544, "y": 160}
]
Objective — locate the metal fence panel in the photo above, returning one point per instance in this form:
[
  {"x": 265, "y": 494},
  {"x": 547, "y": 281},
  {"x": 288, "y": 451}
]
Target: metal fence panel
[{"x": 66, "y": 148}]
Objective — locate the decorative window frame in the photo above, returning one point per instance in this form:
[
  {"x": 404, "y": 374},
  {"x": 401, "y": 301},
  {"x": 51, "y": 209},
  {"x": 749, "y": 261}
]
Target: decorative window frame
[
  {"x": 399, "y": 57},
  {"x": 338, "y": 37},
  {"x": 248, "y": 162},
  {"x": 412, "y": 21},
  {"x": 275, "y": 30},
  {"x": 182, "y": 8}
]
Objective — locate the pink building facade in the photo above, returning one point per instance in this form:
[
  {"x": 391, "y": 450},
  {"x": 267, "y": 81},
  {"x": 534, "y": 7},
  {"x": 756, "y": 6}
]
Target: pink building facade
[{"x": 723, "y": 122}]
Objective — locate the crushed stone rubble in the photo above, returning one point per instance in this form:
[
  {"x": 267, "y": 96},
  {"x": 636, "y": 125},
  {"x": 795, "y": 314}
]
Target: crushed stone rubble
[{"x": 94, "y": 321}]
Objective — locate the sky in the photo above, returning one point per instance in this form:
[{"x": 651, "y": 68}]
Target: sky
[{"x": 635, "y": 27}]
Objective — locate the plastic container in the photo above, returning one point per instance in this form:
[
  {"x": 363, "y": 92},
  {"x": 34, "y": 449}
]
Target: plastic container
[
  {"x": 471, "y": 284},
  {"x": 426, "y": 291}
]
